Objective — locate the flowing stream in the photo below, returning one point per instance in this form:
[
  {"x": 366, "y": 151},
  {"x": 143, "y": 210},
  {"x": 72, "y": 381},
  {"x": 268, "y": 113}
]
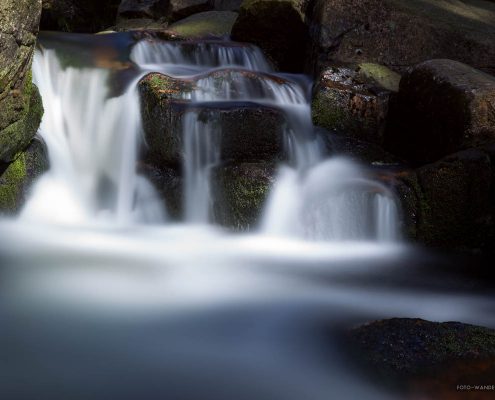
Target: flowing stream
[{"x": 105, "y": 296}]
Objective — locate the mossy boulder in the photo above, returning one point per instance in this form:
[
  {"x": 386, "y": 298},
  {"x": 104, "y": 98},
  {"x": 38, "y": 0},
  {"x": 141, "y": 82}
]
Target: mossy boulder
[
  {"x": 203, "y": 25},
  {"x": 399, "y": 33},
  {"x": 422, "y": 356},
  {"x": 17, "y": 177},
  {"x": 249, "y": 132},
  {"x": 353, "y": 100},
  {"x": 448, "y": 204},
  {"x": 278, "y": 28},
  {"x": 240, "y": 192},
  {"x": 82, "y": 16},
  {"x": 443, "y": 106},
  {"x": 20, "y": 105}
]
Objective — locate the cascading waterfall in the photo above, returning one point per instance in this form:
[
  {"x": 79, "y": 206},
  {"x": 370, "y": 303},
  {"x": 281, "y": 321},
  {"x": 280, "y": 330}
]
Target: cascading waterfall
[
  {"x": 313, "y": 199},
  {"x": 92, "y": 142}
]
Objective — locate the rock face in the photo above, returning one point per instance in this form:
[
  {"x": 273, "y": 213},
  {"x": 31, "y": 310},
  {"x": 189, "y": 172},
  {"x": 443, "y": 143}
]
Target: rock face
[
  {"x": 20, "y": 104},
  {"x": 250, "y": 132},
  {"x": 85, "y": 16},
  {"x": 400, "y": 33},
  {"x": 277, "y": 27},
  {"x": 442, "y": 106},
  {"x": 241, "y": 190},
  {"x": 17, "y": 177},
  {"x": 354, "y": 100}
]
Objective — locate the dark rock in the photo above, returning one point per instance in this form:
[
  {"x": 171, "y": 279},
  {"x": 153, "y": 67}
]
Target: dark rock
[
  {"x": 83, "y": 16},
  {"x": 179, "y": 9},
  {"x": 448, "y": 204},
  {"x": 354, "y": 100},
  {"x": 400, "y": 33},
  {"x": 17, "y": 177},
  {"x": 152, "y": 9},
  {"x": 423, "y": 356},
  {"x": 20, "y": 103},
  {"x": 442, "y": 106},
  {"x": 249, "y": 132},
  {"x": 227, "y": 5},
  {"x": 204, "y": 25},
  {"x": 240, "y": 192},
  {"x": 168, "y": 184},
  {"x": 277, "y": 27}
]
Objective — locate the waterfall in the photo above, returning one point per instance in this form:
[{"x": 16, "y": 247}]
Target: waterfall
[
  {"x": 93, "y": 139},
  {"x": 92, "y": 143}
]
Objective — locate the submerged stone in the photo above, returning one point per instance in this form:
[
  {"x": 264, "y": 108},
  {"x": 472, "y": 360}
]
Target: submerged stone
[{"x": 431, "y": 359}]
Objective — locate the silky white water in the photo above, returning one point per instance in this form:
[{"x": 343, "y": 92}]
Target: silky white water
[{"x": 103, "y": 297}]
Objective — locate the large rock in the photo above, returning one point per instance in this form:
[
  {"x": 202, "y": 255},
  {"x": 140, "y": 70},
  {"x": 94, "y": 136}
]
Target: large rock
[
  {"x": 277, "y": 27},
  {"x": 422, "y": 356},
  {"x": 17, "y": 177},
  {"x": 78, "y": 15},
  {"x": 240, "y": 192},
  {"x": 448, "y": 204},
  {"x": 249, "y": 132},
  {"x": 354, "y": 100},
  {"x": 400, "y": 33},
  {"x": 20, "y": 104},
  {"x": 442, "y": 106}
]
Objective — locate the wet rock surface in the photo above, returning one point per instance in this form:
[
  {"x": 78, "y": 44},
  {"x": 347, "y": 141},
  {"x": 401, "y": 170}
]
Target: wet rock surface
[
  {"x": 354, "y": 100},
  {"x": 250, "y": 131},
  {"x": 204, "y": 25},
  {"x": 443, "y": 106},
  {"x": 426, "y": 357},
  {"x": 241, "y": 190}
]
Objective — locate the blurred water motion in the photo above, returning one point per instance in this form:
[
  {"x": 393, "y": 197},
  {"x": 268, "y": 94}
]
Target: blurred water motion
[{"x": 101, "y": 298}]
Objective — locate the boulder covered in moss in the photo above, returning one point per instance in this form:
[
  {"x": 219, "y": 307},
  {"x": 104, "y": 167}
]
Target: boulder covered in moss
[
  {"x": 278, "y": 28},
  {"x": 18, "y": 176},
  {"x": 354, "y": 100},
  {"x": 448, "y": 204},
  {"x": 204, "y": 25},
  {"x": 248, "y": 131},
  {"x": 240, "y": 192},
  {"x": 430, "y": 359},
  {"x": 83, "y": 16},
  {"x": 399, "y": 33},
  {"x": 20, "y": 103},
  {"x": 443, "y": 106}
]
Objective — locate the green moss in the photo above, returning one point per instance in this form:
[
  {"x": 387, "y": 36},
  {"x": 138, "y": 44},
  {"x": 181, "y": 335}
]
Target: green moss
[
  {"x": 11, "y": 184},
  {"x": 380, "y": 74},
  {"x": 17, "y": 136},
  {"x": 215, "y": 23},
  {"x": 326, "y": 112}
]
